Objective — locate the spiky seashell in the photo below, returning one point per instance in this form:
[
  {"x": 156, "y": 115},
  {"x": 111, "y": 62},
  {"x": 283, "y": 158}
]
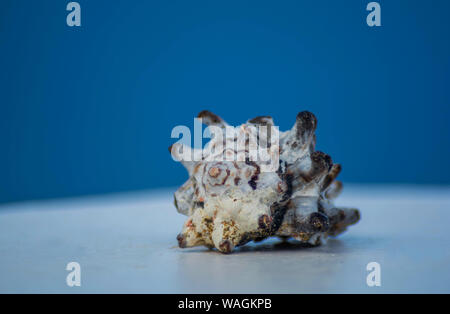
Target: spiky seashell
[{"x": 236, "y": 199}]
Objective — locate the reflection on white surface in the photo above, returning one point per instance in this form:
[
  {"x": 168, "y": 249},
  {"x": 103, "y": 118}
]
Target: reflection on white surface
[{"x": 126, "y": 243}]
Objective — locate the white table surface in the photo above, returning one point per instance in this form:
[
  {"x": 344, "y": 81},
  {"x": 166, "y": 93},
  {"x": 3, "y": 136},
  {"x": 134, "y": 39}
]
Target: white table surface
[{"x": 126, "y": 243}]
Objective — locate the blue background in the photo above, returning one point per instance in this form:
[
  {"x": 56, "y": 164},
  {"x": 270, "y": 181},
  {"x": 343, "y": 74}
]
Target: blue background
[{"x": 90, "y": 110}]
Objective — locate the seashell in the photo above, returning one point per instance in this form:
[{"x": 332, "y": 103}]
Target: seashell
[{"x": 234, "y": 196}]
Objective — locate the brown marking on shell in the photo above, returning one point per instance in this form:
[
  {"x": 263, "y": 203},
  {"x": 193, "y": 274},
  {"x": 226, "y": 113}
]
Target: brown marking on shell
[
  {"x": 199, "y": 204},
  {"x": 264, "y": 222},
  {"x": 301, "y": 236},
  {"x": 226, "y": 177},
  {"x": 181, "y": 241},
  {"x": 225, "y": 246},
  {"x": 319, "y": 162},
  {"x": 332, "y": 174},
  {"x": 306, "y": 123},
  {"x": 319, "y": 222},
  {"x": 210, "y": 118},
  {"x": 214, "y": 172},
  {"x": 197, "y": 167},
  {"x": 254, "y": 178},
  {"x": 262, "y": 120},
  {"x": 281, "y": 186}
]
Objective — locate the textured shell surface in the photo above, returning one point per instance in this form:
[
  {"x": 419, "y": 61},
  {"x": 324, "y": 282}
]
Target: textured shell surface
[{"x": 233, "y": 197}]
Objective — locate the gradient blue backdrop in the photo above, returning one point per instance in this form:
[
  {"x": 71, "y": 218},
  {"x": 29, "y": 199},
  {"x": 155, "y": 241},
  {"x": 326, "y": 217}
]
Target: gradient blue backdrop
[{"x": 90, "y": 110}]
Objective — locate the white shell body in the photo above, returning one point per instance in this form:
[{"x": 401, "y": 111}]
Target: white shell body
[{"x": 232, "y": 200}]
